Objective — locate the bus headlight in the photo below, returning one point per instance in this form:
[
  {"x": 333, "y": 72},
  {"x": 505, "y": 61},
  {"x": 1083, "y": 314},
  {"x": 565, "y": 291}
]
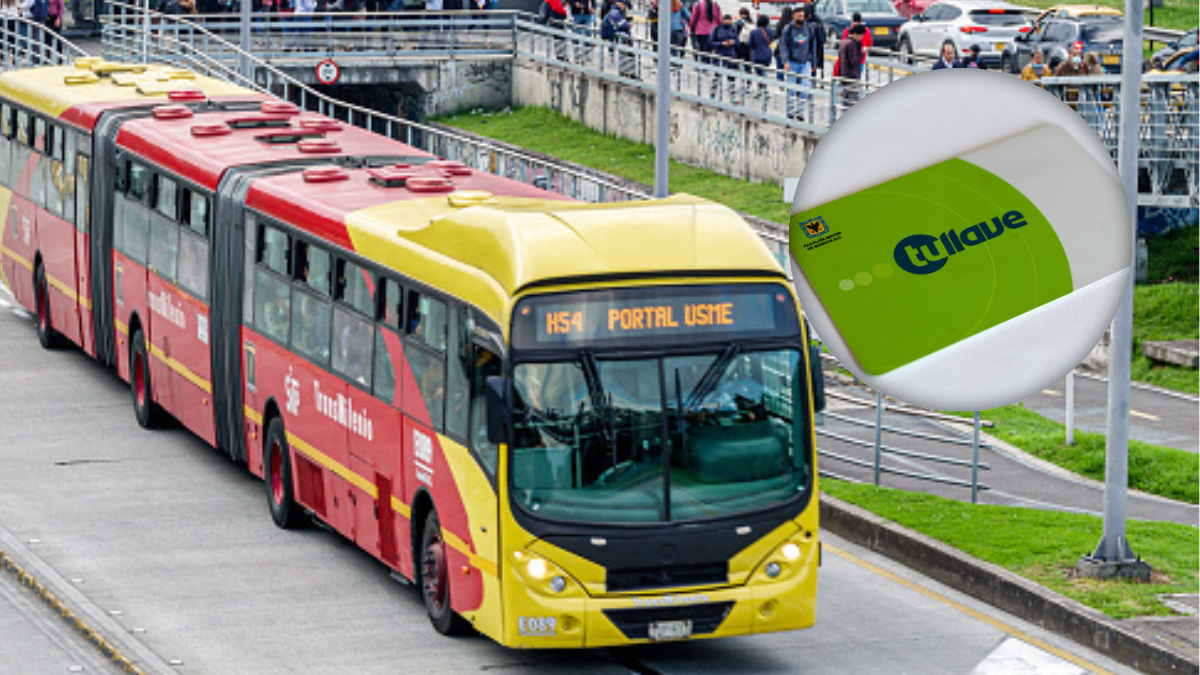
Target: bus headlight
[
  {"x": 537, "y": 568},
  {"x": 790, "y": 551}
]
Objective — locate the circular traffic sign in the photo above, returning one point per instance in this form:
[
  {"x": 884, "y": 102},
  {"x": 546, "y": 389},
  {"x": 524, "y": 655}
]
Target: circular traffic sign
[{"x": 328, "y": 72}]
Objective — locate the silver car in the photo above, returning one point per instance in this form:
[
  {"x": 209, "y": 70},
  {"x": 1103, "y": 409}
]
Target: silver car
[{"x": 991, "y": 25}]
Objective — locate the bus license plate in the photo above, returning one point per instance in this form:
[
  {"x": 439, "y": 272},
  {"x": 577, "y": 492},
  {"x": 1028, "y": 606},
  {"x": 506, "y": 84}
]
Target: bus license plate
[
  {"x": 880, "y": 30},
  {"x": 671, "y": 630}
]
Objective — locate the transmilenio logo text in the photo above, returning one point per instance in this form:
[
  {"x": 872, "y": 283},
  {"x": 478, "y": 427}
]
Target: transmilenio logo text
[{"x": 920, "y": 253}]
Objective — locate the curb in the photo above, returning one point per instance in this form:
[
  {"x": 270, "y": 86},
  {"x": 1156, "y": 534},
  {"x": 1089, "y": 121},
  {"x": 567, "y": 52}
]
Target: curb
[
  {"x": 1004, "y": 590},
  {"x": 79, "y": 613}
]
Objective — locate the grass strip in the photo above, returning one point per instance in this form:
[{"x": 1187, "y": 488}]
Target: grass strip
[
  {"x": 1165, "y": 312},
  {"x": 1043, "y": 546},
  {"x": 546, "y": 131},
  {"x": 1156, "y": 469}
]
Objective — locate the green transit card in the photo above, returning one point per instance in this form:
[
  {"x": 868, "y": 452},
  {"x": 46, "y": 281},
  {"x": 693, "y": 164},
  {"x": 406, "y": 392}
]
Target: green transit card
[{"x": 921, "y": 262}]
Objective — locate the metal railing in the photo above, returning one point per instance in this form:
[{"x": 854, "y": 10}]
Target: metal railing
[
  {"x": 25, "y": 44},
  {"x": 1169, "y": 137},
  {"x": 180, "y": 42},
  {"x": 916, "y": 460}
]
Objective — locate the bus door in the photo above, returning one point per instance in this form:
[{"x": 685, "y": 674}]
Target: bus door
[
  {"x": 56, "y": 234},
  {"x": 131, "y": 241},
  {"x": 80, "y": 204},
  {"x": 21, "y": 243},
  {"x": 384, "y": 444}
]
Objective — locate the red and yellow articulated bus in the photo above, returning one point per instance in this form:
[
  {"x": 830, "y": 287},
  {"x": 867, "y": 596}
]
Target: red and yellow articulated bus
[{"x": 571, "y": 425}]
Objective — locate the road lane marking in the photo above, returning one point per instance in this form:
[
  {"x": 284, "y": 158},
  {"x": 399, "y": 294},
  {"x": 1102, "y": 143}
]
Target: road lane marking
[
  {"x": 974, "y": 614},
  {"x": 1052, "y": 392},
  {"x": 1145, "y": 416},
  {"x": 1014, "y": 656}
]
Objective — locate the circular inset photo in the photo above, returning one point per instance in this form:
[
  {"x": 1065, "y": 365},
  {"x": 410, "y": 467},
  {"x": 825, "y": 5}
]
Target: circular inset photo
[{"x": 960, "y": 239}]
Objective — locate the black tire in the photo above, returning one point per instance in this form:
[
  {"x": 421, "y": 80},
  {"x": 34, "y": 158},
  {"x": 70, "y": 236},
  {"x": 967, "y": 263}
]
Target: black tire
[
  {"x": 47, "y": 336},
  {"x": 149, "y": 414},
  {"x": 906, "y": 52},
  {"x": 433, "y": 579},
  {"x": 277, "y": 474},
  {"x": 1006, "y": 65}
]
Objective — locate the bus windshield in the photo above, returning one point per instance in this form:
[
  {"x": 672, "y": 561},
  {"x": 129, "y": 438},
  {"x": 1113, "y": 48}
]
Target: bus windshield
[{"x": 666, "y": 438}]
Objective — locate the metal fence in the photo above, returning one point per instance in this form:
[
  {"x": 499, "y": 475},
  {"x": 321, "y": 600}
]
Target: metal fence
[
  {"x": 920, "y": 463},
  {"x": 134, "y": 35},
  {"x": 25, "y": 44},
  {"x": 1169, "y": 138}
]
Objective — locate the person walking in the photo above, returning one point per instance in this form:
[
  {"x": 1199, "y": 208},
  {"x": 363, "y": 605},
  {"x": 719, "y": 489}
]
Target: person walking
[
  {"x": 744, "y": 26},
  {"x": 706, "y": 14},
  {"x": 680, "y": 17},
  {"x": 816, "y": 32},
  {"x": 785, "y": 19},
  {"x": 723, "y": 40},
  {"x": 850, "y": 60},
  {"x": 796, "y": 45},
  {"x": 857, "y": 20},
  {"x": 615, "y": 28},
  {"x": 949, "y": 57},
  {"x": 1036, "y": 69},
  {"x": 760, "y": 52},
  {"x": 1093, "y": 64}
]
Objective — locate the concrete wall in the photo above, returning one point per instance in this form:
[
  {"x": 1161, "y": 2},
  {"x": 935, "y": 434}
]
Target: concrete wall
[
  {"x": 715, "y": 139},
  {"x": 424, "y": 88}
]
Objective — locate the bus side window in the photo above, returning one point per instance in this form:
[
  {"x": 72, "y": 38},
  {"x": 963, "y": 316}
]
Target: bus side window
[
  {"x": 66, "y": 182},
  {"x": 385, "y": 371},
  {"x": 389, "y": 302},
  {"x": 456, "y": 374},
  {"x": 426, "y": 320},
  {"x": 166, "y": 197},
  {"x": 352, "y": 346},
  {"x": 135, "y": 219},
  {"x": 272, "y": 289},
  {"x": 83, "y": 195},
  {"x": 21, "y": 151},
  {"x": 193, "y": 245},
  {"x": 37, "y": 183},
  {"x": 164, "y": 247},
  {"x": 310, "y": 315},
  {"x": 5, "y": 144},
  {"x": 352, "y": 288},
  {"x": 484, "y": 364}
]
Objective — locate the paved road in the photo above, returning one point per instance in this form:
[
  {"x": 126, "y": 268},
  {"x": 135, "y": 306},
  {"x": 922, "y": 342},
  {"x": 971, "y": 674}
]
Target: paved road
[
  {"x": 170, "y": 545},
  {"x": 1015, "y": 479},
  {"x": 1155, "y": 416}
]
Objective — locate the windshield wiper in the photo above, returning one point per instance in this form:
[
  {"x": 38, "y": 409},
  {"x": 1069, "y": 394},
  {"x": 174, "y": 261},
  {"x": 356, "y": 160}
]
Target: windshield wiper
[
  {"x": 711, "y": 377},
  {"x": 601, "y": 401}
]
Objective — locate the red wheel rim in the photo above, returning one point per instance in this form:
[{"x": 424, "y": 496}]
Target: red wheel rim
[
  {"x": 433, "y": 573},
  {"x": 43, "y": 314},
  {"x": 276, "y": 472},
  {"x": 139, "y": 381}
]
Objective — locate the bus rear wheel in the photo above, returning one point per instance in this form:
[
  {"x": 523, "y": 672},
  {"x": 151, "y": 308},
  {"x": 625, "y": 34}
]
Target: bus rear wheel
[
  {"x": 277, "y": 464},
  {"x": 433, "y": 574},
  {"x": 149, "y": 414},
  {"x": 47, "y": 336}
]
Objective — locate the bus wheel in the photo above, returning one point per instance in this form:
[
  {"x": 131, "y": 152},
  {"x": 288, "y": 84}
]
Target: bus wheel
[
  {"x": 286, "y": 513},
  {"x": 434, "y": 574},
  {"x": 149, "y": 414},
  {"x": 47, "y": 336}
]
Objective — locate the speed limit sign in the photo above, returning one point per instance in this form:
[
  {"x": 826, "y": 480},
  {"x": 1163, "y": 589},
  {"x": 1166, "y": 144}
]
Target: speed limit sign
[{"x": 328, "y": 72}]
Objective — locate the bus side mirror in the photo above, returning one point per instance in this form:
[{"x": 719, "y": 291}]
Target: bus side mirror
[
  {"x": 818, "y": 377},
  {"x": 495, "y": 390}
]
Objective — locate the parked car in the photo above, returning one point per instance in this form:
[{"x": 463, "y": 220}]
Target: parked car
[
  {"x": 879, "y": 16},
  {"x": 991, "y": 25},
  {"x": 1101, "y": 34},
  {"x": 1183, "y": 61},
  {"x": 910, "y": 8},
  {"x": 1186, "y": 42}
]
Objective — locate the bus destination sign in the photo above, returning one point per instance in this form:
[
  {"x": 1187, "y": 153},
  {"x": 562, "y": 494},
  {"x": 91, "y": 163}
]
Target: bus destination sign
[{"x": 604, "y": 316}]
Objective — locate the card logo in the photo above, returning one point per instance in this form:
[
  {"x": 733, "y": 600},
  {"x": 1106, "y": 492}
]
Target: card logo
[
  {"x": 815, "y": 227},
  {"x": 920, "y": 254}
]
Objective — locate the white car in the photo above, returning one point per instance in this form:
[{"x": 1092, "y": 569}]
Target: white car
[{"x": 991, "y": 25}]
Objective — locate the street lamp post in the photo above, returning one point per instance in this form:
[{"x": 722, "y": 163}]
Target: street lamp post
[
  {"x": 1113, "y": 556},
  {"x": 662, "y": 106}
]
